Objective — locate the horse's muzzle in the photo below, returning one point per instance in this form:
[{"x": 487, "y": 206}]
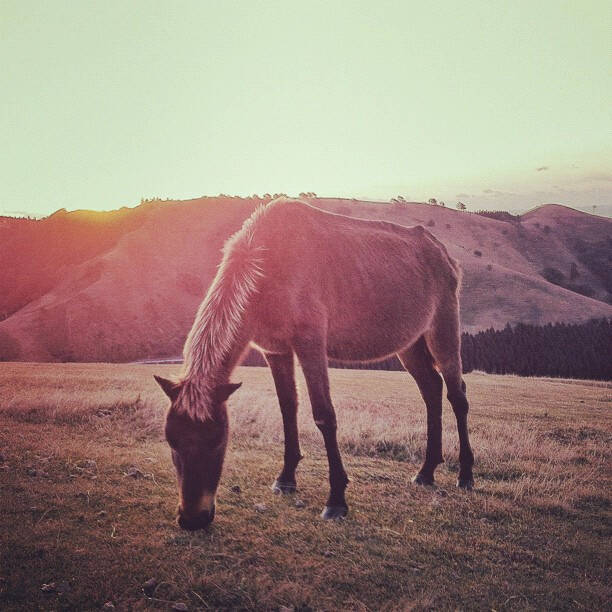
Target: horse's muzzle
[{"x": 199, "y": 521}]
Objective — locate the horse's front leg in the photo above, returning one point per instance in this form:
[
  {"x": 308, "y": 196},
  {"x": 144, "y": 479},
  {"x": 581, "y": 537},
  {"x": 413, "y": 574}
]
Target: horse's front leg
[
  {"x": 313, "y": 358},
  {"x": 284, "y": 381}
]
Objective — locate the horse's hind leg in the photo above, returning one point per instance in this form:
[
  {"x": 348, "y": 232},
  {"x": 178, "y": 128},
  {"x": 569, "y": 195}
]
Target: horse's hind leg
[
  {"x": 457, "y": 397},
  {"x": 444, "y": 342},
  {"x": 418, "y": 361},
  {"x": 284, "y": 381}
]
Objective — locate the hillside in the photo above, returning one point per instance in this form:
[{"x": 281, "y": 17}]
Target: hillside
[{"x": 125, "y": 284}]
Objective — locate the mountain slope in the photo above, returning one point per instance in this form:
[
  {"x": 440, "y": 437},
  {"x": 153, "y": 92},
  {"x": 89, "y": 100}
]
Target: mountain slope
[
  {"x": 133, "y": 293},
  {"x": 35, "y": 255}
]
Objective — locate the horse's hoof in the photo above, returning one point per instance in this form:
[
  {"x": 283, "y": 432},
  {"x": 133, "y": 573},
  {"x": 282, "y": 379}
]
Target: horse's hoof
[
  {"x": 421, "y": 479},
  {"x": 283, "y": 488},
  {"x": 466, "y": 483},
  {"x": 334, "y": 513}
]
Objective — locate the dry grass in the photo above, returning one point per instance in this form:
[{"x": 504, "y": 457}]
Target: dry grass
[{"x": 534, "y": 534}]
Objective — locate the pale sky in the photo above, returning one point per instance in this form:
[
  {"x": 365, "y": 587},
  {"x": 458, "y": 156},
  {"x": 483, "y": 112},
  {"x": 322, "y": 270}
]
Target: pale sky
[{"x": 497, "y": 104}]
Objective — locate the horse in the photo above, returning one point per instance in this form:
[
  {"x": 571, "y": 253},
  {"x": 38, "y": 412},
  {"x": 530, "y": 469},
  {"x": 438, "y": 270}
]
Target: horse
[{"x": 297, "y": 280}]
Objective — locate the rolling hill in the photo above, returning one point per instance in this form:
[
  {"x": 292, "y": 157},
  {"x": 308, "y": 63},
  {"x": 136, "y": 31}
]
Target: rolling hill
[{"x": 125, "y": 284}]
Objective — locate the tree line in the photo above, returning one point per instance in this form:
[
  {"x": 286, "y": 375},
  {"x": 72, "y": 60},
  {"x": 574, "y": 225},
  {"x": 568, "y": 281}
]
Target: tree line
[{"x": 565, "y": 350}]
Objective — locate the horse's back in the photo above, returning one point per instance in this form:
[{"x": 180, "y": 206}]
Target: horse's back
[
  {"x": 374, "y": 285},
  {"x": 305, "y": 239}
]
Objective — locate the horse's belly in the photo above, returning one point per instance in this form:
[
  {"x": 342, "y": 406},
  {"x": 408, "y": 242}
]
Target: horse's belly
[
  {"x": 371, "y": 344},
  {"x": 373, "y": 327}
]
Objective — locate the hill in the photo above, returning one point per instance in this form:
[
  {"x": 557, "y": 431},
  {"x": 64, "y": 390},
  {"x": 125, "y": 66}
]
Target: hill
[{"x": 125, "y": 284}]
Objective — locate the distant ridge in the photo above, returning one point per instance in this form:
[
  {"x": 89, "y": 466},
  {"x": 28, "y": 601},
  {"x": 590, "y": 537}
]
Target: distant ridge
[{"x": 125, "y": 285}]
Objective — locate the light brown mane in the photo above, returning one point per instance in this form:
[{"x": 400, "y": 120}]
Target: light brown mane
[{"x": 219, "y": 317}]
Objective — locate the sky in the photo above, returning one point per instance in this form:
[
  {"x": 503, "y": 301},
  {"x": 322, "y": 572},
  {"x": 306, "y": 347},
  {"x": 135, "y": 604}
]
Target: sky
[{"x": 502, "y": 105}]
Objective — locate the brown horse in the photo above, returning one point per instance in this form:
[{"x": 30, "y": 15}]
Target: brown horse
[{"x": 296, "y": 279}]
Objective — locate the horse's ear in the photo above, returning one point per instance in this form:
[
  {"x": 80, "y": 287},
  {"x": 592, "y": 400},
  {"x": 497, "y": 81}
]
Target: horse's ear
[
  {"x": 222, "y": 392},
  {"x": 171, "y": 389}
]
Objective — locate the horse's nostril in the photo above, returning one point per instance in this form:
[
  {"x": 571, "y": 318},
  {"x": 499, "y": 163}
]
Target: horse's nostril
[{"x": 199, "y": 521}]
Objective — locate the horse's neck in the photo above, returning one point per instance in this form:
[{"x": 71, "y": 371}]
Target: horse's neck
[
  {"x": 220, "y": 331},
  {"x": 233, "y": 357},
  {"x": 208, "y": 375}
]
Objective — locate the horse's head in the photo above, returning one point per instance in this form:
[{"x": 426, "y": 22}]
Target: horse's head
[{"x": 198, "y": 450}]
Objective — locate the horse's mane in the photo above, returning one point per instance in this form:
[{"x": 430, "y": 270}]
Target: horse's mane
[{"x": 219, "y": 317}]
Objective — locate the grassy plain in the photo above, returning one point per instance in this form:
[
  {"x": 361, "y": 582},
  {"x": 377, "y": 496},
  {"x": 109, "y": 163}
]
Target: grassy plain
[{"x": 88, "y": 496}]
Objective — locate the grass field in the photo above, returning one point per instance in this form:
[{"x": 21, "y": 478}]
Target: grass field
[{"x": 88, "y": 498}]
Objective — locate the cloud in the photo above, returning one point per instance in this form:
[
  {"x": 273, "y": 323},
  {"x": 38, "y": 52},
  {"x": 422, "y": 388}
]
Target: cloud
[
  {"x": 497, "y": 194},
  {"x": 542, "y": 168},
  {"x": 599, "y": 177}
]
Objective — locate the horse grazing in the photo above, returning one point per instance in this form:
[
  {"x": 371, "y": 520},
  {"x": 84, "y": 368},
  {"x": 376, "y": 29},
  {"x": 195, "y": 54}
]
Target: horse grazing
[{"x": 296, "y": 279}]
